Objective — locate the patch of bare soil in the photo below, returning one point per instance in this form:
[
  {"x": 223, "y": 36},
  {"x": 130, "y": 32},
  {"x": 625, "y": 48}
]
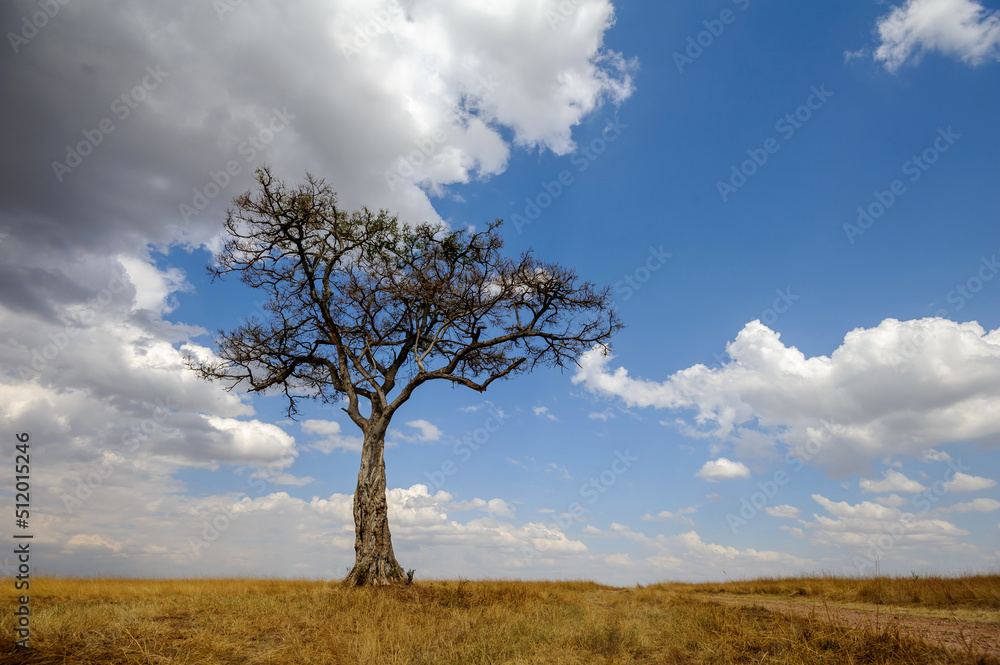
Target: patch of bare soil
[{"x": 952, "y": 633}]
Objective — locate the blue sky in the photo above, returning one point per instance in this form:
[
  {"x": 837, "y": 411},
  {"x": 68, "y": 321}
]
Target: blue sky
[{"x": 795, "y": 205}]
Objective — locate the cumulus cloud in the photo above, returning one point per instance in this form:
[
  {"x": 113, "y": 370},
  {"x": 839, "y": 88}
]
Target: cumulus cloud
[
  {"x": 115, "y": 374},
  {"x": 974, "y": 506},
  {"x": 153, "y": 288},
  {"x": 440, "y": 95},
  {"x": 254, "y": 441},
  {"x": 181, "y": 535},
  {"x": 722, "y": 469},
  {"x": 858, "y": 526},
  {"x": 427, "y": 432},
  {"x": 964, "y": 29},
  {"x": 686, "y": 554},
  {"x": 84, "y": 300},
  {"x": 901, "y": 387},
  {"x": 893, "y": 481},
  {"x": 963, "y": 482},
  {"x": 893, "y": 500},
  {"x": 497, "y": 507},
  {"x": 865, "y": 509},
  {"x": 784, "y": 511},
  {"x": 333, "y": 438}
]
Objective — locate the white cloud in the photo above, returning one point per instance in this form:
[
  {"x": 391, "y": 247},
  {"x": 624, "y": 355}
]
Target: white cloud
[
  {"x": 604, "y": 416},
  {"x": 865, "y": 509},
  {"x": 252, "y": 440},
  {"x": 974, "y": 506},
  {"x": 680, "y": 515},
  {"x": 872, "y": 397},
  {"x": 931, "y": 455},
  {"x": 115, "y": 374},
  {"x": 175, "y": 535},
  {"x": 855, "y": 55},
  {"x": 462, "y": 71},
  {"x": 543, "y": 411},
  {"x": 332, "y": 437},
  {"x": 96, "y": 289},
  {"x": 784, "y": 511},
  {"x": 722, "y": 469},
  {"x": 441, "y": 95},
  {"x": 497, "y": 507},
  {"x": 857, "y": 526},
  {"x": 963, "y": 482},
  {"x": 960, "y": 28},
  {"x": 153, "y": 287},
  {"x": 688, "y": 555},
  {"x": 893, "y": 500},
  {"x": 893, "y": 481},
  {"x": 427, "y": 432}
]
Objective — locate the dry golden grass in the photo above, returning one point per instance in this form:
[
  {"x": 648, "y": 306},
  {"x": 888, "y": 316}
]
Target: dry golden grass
[
  {"x": 278, "y": 621},
  {"x": 972, "y": 592}
]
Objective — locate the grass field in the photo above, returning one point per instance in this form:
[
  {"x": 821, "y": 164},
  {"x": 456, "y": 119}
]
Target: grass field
[
  {"x": 277, "y": 621},
  {"x": 965, "y": 593}
]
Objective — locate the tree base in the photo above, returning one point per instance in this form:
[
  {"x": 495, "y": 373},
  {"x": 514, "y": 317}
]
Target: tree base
[{"x": 376, "y": 573}]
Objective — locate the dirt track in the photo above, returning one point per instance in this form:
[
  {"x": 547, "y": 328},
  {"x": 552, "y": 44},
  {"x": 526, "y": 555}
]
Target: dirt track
[{"x": 953, "y": 633}]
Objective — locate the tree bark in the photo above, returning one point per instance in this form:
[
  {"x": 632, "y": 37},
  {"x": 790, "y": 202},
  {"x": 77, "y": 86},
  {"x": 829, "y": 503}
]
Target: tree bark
[{"x": 374, "y": 562}]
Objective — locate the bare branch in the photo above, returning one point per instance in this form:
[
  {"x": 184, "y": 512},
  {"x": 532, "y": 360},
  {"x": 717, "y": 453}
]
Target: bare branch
[{"x": 360, "y": 304}]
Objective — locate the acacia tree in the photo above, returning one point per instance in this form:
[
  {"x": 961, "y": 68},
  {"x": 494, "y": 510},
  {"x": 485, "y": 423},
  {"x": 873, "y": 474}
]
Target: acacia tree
[{"x": 364, "y": 309}]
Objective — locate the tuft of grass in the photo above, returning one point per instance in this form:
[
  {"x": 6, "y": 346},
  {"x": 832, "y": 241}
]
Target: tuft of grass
[{"x": 258, "y": 621}]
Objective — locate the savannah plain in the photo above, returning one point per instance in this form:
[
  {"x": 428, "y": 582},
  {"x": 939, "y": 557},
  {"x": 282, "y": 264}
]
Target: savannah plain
[{"x": 815, "y": 619}]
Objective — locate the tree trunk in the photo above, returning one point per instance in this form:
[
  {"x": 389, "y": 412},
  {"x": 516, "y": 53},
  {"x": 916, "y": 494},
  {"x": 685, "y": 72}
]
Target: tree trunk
[{"x": 374, "y": 562}]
